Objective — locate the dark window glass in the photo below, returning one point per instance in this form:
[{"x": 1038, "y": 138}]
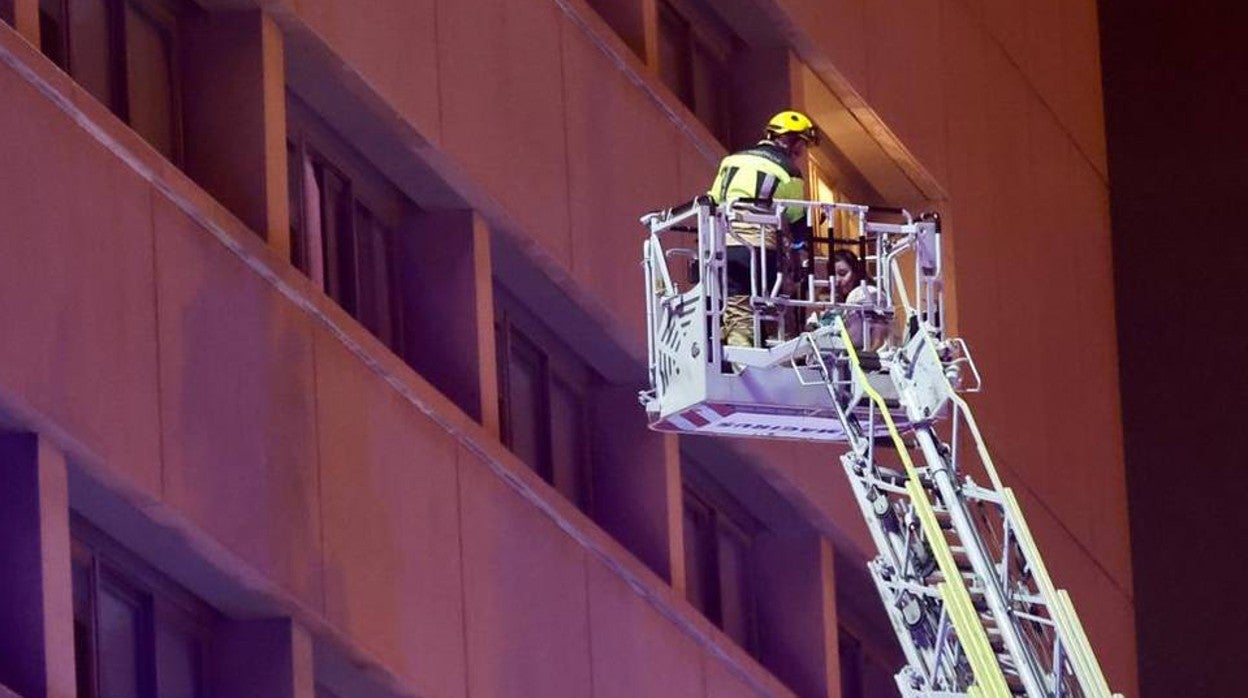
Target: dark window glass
[
  {"x": 178, "y": 655},
  {"x": 717, "y": 569},
  {"x": 342, "y": 242},
  {"x": 735, "y": 602},
  {"x": 92, "y": 60},
  {"x": 338, "y": 236},
  {"x": 567, "y": 442},
  {"x": 701, "y": 566},
  {"x": 84, "y": 627},
  {"x": 118, "y": 637},
  {"x": 542, "y": 406},
  {"x": 526, "y": 407},
  {"x": 120, "y": 51},
  {"x": 52, "y": 33},
  {"x": 674, "y": 60},
  {"x": 709, "y": 76},
  {"x": 693, "y": 56},
  {"x": 850, "y": 653},
  {"x": 294, "y": 200},
  {"x": 136, "y": 635},
  {"x": 149, "y": 80},
  {"x": 372, "y": 239}
]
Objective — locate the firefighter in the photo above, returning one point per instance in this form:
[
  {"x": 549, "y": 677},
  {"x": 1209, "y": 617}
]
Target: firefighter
[{"x": 769, "y": 170}]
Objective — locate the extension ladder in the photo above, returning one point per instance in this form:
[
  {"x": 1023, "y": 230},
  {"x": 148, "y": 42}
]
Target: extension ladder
[{"x": 966, "y": 590}]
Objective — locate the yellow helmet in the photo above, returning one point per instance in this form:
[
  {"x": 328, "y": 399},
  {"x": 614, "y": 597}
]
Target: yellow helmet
[{"x": 793, "y": 122}]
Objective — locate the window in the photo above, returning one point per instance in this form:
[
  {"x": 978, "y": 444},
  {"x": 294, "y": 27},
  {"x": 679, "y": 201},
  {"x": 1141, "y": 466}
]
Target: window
[
  {"x": 849, "y": 650},
  {"x": 343, "y": 221},
  {"x": 717, "y": 567},
  {"x": 136, "y": 634},
  {"x": 542, "y": 402},
  {"x": 820, "y": 176},
  {"x": 123, "y": 53},
  {"x": 625, "y": 17},
  {"x": 863, "y": 673},
  {"x": 694, "y": 49}
]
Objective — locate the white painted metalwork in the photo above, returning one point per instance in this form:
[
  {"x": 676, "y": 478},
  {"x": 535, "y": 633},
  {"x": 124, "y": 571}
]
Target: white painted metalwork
[{"x": 966, "y": 590}]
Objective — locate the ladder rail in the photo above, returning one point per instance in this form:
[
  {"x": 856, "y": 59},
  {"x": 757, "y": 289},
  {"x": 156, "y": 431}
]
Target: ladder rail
[
  {"x": 1067, "y": 631},
  {"x": 971, "y": 634},
  {"x": 962, "y": 579}
]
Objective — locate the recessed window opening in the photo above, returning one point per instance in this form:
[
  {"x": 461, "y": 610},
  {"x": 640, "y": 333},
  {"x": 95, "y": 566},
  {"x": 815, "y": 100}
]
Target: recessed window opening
[
  {"x": 344, "y": 219},
  {"x": 123, "y": 52},
  {"x": 718, "y": 541},
  {"x": 137, "y": 634},
  {"x": 694, "y": 52},
  {"x": 544, "y": 391}
]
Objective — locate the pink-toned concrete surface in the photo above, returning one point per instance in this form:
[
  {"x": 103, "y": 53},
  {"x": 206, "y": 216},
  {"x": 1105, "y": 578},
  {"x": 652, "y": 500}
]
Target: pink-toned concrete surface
[
  {"x": 507, "y": 54},
  {"x": 608, "y": 186},
  {"x": 390, "y": 512},
  {"x": 80, "y": 315},
  {"x": 399, "y": 44},
  {"x": 1007, "y": 116},
  {"x": 370, "y": 505},
  {"x": 626, "y": 662},
  {"x": 222, "y": 331},
  {"x": 979, "y": 107}
]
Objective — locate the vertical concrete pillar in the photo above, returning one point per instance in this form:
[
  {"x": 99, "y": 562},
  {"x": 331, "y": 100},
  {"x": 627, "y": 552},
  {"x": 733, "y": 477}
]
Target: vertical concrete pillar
[
  {"x": 650, "y": 38},
  {"x": 797, "y": 612},
  {"x": 23, "y": 15},
  {"x": 235, "y": 118},
  {"x": 447, "y": 291},
  {"x": 636, "y": 483},
  {"x": 264, "y": 659},
  {"x": 36, "y": 606}
]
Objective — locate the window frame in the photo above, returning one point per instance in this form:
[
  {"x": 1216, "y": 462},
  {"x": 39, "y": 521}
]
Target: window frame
[
  {"x": 725, "y": 514},
  {"x": 158, "y": 598},
  {"x": 164, "y": 16},
  {"x": 314, "y": 142},
  {"x": 699, "y": 33},
  {"x": 557, "y": 364}
]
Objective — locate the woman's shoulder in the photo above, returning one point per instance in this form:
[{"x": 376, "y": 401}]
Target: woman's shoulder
[{"x": 862, "y": 294}]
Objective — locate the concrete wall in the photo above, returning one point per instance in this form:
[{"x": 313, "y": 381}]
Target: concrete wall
[
  {"x": 179, "y": 327},
  {"x": 185, "y": 367}
]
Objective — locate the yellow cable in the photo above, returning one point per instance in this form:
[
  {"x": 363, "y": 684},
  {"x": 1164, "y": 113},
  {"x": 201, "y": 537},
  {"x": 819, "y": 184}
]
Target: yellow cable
[{"x": 988, "y": 676}]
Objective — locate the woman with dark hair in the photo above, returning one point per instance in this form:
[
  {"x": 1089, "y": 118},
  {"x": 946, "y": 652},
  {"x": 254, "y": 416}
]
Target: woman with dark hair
[
  {"x": 849, "y": 273},
  {"x": 853, "y": 287}
]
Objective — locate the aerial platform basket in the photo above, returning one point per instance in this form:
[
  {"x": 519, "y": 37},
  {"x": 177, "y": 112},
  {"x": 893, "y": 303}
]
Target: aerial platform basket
[
  {"x": 775, "y": 388},
  {"x": 966, "y": 591}
]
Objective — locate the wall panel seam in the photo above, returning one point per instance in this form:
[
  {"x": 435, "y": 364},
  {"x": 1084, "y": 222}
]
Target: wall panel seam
[{"x": 258, "y": 262}]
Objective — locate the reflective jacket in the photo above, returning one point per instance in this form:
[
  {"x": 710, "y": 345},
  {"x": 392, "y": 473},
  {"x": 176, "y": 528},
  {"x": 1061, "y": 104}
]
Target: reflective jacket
[{"x": 762, "y": 172}]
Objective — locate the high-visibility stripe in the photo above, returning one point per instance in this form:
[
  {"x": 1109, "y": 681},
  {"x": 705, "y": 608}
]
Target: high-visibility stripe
[
  {"x": 1070, "y": 630},
  {"x": 957, "y": 598},
  {"x": 766, "y": 185},
  {"x": 727, "y": 182}
]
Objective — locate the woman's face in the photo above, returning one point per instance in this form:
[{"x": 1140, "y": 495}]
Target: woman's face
[{"x": 845, "y": 280}]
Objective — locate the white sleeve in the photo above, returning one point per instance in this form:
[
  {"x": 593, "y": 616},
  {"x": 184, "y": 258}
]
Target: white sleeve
[{"x": 862, "y": 295}]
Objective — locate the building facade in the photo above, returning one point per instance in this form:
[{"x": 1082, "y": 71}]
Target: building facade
[{"x": 322, "y": 333}]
